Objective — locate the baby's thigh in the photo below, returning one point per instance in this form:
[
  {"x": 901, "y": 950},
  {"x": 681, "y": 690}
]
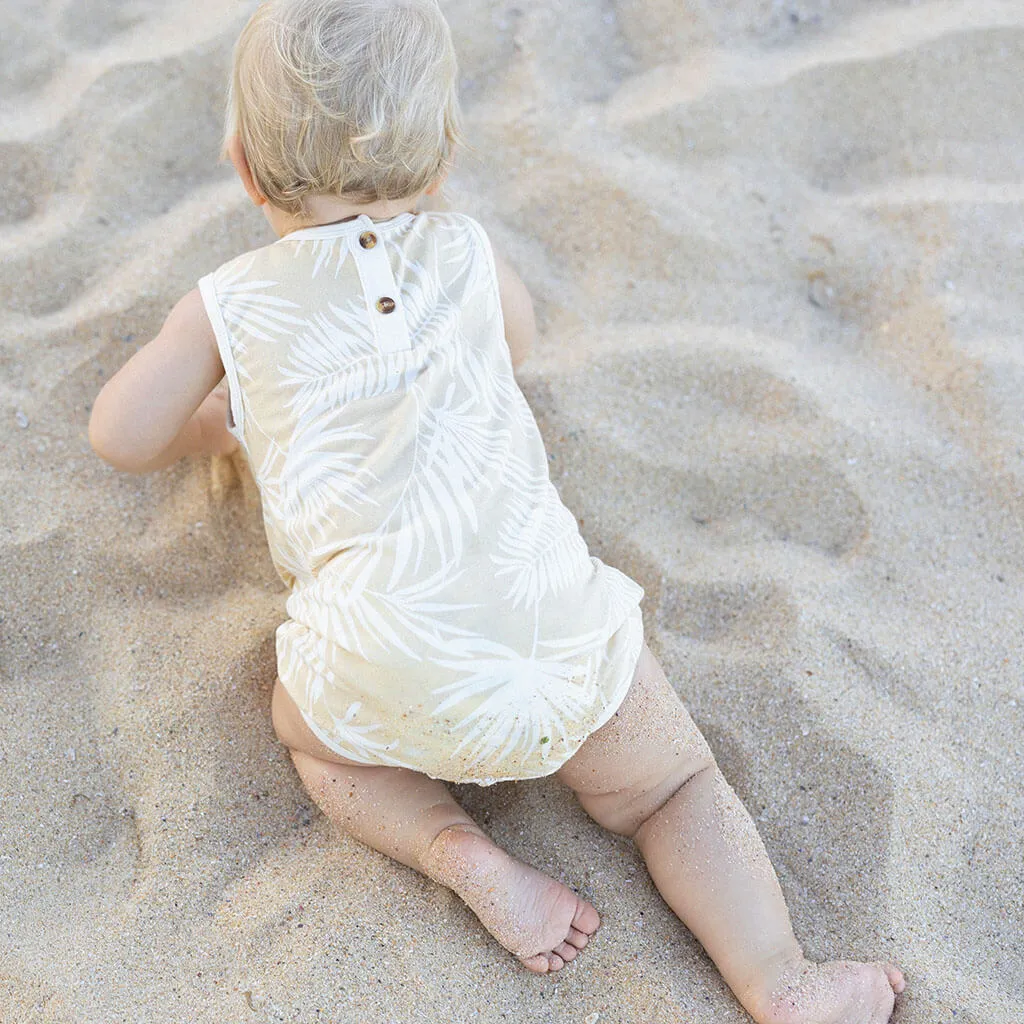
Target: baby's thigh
[
  {"x": 293, "y": 732},
  {"x": 641, "y": 756}
]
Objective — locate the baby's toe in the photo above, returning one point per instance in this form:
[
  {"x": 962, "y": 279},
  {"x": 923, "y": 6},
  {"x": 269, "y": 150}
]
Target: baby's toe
[
  {"x": 586, "y": 918},
  {"x": 555, "y": 961},
  {"x": 884, "y": 996},
  {"x": 566, "y": 952},
  {"x": 539, "y": 964},
  {"x": 895, "y": 976},
  {"x": 577, "y": 938}
]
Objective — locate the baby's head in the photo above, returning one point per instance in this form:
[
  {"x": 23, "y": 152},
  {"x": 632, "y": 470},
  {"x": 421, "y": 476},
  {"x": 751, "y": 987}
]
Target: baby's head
[{"x": 347, "y": 98}]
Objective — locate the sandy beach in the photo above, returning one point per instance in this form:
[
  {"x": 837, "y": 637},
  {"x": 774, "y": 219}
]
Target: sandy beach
[{"x": 775, "y": 250}]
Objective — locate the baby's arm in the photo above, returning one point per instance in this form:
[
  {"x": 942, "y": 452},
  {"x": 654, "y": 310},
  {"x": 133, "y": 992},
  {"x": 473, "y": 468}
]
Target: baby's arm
[
  {"x": 517, "y": 310},
  {"x": 161, "y": 405}
]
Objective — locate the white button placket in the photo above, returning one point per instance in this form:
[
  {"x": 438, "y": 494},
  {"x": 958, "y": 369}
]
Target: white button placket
[{"x": 383, "y": 302}]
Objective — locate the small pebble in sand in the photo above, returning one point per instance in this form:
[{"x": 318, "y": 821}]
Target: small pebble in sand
[
  {"x": 819, "y": 292},
  {"x": 22, "y": 419},
  {"x": 254, "y": 1001}
]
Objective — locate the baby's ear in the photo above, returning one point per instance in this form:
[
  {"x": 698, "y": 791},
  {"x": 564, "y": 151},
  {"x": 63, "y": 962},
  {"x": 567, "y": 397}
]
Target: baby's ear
[
  {"x": 435, "y": 187},
  {"x": 236, "y": 154}
]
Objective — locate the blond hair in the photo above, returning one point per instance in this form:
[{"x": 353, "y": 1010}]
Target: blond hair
[{"x": 353, "y": 98}]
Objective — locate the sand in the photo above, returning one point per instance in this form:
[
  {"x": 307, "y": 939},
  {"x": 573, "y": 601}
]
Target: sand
[{"x": 775, "y": 249}]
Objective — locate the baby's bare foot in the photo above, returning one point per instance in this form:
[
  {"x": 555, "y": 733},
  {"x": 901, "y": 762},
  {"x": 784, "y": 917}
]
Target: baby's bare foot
[
  {"x": 537, "y": 919},
  {"x": 831, "y": 993}
]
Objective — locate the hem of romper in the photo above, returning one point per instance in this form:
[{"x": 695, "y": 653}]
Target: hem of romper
[
  {"x": 633, "y": 638},
  {"x": 326, "y": 740},
  {"x": 635, "y": 620},
  {"x": 635, "y": 625}
]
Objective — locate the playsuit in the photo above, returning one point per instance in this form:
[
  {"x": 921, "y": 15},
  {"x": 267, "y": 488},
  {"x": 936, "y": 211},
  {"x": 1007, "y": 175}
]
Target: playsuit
[{"x": 444, "y": 613}]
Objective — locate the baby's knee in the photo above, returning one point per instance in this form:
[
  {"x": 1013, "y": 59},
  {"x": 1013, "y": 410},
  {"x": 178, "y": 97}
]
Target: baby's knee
[
  {"x": 625, "y": 808},
  {"x": 638, "y": 760}
]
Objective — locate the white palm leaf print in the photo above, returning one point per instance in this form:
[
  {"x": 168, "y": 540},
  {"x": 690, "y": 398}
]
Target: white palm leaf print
[
  {"x": 355, "y": 741},
  {"x": 303, "y": 488},
  {"x": 361, "y": 618},
  {"x": 519, "y": 703},
  {"x": 540, "y": 547},
  {"x": 250, "y": 309},
  {"x": 456, "y": 447},
  {"x": 307, "y": 654},
  {"x": 266, "y": 475},
  {"x": 323, "y": 470},
  {"x": 465, "y": 251},
  {"x": 479, "y": 372},
  {"x": 621, "y": 594},
  {"x": 524, "y": 417},
  {"x": 328, "y": 253},
  {"x": 286, "y": 551},
  {"x": 429, "y": 313},
  {"x": 291, "y": 565},
  {"x": 320, "y": 363},
  {"x": 416, "y": 608},
  {"x": 487, "y": 369}
]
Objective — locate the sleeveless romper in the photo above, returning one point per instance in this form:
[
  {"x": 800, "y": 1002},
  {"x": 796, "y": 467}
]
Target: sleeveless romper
[{"x": 444, "y": 612}]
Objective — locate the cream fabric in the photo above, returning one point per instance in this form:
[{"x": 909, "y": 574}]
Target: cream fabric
[{"x": 444, "y": 613}]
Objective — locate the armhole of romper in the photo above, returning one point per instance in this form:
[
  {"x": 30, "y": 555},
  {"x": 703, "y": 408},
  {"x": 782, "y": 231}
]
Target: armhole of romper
[
  {"x": 485, "y": 244},
  {"x": 208, "y": 290}
]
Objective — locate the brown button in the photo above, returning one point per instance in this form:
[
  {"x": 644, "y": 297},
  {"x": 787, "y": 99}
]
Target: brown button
[
  {"x": 367, "y": 239},
  {"x": 385, "y": 305}
]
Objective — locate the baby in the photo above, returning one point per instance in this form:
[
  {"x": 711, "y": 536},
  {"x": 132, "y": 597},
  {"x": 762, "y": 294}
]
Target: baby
[{"x": 445, "y": 619}]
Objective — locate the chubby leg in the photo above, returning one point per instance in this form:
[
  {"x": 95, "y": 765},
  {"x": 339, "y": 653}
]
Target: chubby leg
[
  {"x": 648, "y": 773},
  {"x": 414, "y": 820}
]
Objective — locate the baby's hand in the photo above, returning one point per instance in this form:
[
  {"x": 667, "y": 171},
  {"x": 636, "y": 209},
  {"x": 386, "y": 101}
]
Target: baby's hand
[{"x": 212, "y": 418}]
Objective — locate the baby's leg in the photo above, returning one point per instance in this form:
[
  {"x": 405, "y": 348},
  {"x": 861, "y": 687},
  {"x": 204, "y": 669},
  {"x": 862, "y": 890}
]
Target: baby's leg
[
  {"x": 649, "y": 774},
  {"x": 414, "y": 819}
]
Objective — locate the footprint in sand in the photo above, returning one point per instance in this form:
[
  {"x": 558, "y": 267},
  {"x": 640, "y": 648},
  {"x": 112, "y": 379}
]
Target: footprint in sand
[
  {"x": 755, "y": 615},
  {"x": 725, "y": 473},
  {"x": 25, "y": 172}
]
